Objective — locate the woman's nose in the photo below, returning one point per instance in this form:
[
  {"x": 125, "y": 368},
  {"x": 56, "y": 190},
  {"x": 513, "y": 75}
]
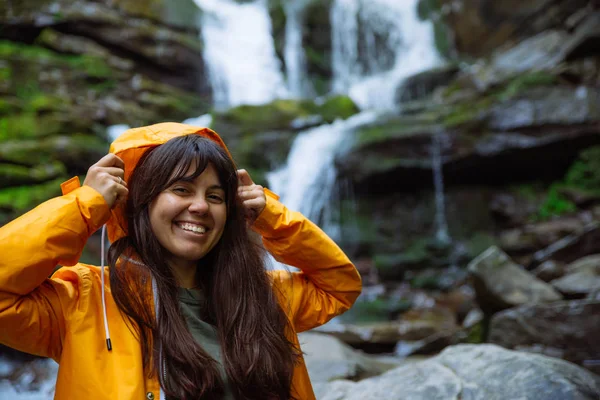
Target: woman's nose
[{"x": 199, "y": 205}]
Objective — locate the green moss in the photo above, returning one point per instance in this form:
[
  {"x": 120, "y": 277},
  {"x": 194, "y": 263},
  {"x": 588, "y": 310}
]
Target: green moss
[
  {"x": 393, "y": 128},
  {"x": 12, "y": 175},
  {"x": 555, "y": 205},
  {"x": 23, "y": 198},
  {"x": 524, "y": 82},
  {"x": 426, "y": 8},
  {"x": 584, "y": 173},
  {"x": 279, "y": 114},
  {"x": 476, "y": 334},
  {"x": 91, "y": 65},
  {"x": 28, "y": 124},
  {"x": 467, "y": 112},
  {"x": 337, "y": 107}
]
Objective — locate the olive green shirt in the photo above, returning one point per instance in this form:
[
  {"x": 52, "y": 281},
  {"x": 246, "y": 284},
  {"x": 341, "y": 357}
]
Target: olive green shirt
[{"x": 192, "y": 303}]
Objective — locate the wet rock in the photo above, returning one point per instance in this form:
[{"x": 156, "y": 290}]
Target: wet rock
[
  {"x": 501, "y": 284},
  {"x": 424, "y": 83},
  {"x": 580, "y": 243},
  {"x": 571, "y": 328},
  {"x": 549, "y": 270},
  {"x": 412, "y": 325},
  {"x": 327, "y": 359},
  {"x": 474, "y": 372},
  {"x": 545, "y": 106},
  {"x": 581, "y": 278}
]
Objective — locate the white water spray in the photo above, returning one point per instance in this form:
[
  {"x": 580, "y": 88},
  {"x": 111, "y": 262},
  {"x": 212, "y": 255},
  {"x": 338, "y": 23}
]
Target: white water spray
[
  {"x": 305, "y": 182},
  {"x": 240, "y": 53},
  {"x": 441, "y": 233},
  {"x": 376, "y": 45}
]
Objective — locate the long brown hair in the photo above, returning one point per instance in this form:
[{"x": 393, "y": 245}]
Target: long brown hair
[{"x": 257, "y": 356}]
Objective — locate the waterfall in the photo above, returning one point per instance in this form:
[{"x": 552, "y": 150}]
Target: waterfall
[
  {"x": 295, "y": 62},
  {"x": 441, "y": 233},
  {"x": 240, "y": 53},
  {"x": 304, "y": 183},
  {"x": 376, "y": 45}
]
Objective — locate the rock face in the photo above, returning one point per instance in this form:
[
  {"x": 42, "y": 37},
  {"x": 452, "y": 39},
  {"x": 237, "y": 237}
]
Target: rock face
[
  {"x": 582, "y": 277},
  {"x": 478, "y": 372},
  {"x": 502, "y": 284},
  {"x": 328, "y": 359},
  {"x": 481, "y": 26},
  {"x": 562, "y": 329},
  {"x": 71, "y": 68}
]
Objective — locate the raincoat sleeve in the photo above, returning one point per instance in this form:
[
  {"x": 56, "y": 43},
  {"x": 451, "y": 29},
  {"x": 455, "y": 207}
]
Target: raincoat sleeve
[
  {"x": 34, "y": 309},
  {"x": 328, "y": 283}
]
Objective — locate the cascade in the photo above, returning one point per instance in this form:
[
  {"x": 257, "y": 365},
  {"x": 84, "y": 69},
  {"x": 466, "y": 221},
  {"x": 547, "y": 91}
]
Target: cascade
[
  {"x": 239, "y": 53},
  {"x": 441, "y": 233},
  {"x": 376, "y": 45}
]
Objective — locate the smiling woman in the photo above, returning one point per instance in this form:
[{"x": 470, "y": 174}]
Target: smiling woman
[{"x": 191, "y": 311}]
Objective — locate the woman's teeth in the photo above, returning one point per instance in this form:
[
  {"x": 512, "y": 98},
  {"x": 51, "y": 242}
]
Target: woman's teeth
[{"x": 193, "y": 228}]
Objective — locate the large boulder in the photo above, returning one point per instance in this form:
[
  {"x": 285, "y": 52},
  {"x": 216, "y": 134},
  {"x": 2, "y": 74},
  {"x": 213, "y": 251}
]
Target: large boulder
[
  {"x": 327, "y": 359},
  {"x": 566, "y": 329},
  {"x": 477, "y": 372},
  {"x": 501, "y": 284},
  {"x": 582, "y": 277}
]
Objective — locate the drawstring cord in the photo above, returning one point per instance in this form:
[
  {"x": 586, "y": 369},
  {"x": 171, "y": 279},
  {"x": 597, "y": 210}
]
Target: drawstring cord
[
  {"x": 156, "y": 305},
  {"x": 106, "y": 331}
]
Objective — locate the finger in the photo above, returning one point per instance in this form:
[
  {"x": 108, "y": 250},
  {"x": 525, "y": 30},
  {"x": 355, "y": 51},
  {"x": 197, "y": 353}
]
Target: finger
[
  {"x": 110, "y": 160},
  {"x": 244, "y": 178},
  {"x": 114, "y": 171},
  {"x": 250, "y": 194},
  {"x": 121, "y": 194}
]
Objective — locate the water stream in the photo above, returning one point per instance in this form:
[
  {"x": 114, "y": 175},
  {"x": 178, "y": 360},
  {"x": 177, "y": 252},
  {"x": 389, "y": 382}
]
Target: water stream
[{"x": 240, "y": 53}]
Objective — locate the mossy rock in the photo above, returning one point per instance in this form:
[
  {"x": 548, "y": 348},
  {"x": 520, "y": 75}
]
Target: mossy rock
[
  {"x": 18, "y": 175},
  {"x": 20, "y": 199},
  {"x": 279, "y": 115}
]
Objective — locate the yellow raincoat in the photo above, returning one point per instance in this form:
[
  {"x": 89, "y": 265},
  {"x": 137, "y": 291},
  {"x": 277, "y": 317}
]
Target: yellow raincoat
[{"x": 62, "y": 317}]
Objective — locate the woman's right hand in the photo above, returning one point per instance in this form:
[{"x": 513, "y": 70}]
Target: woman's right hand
[{"x": 106, "y": 177}]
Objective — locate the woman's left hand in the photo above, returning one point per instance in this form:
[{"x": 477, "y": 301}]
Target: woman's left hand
[{"x": 251, "y": 195}]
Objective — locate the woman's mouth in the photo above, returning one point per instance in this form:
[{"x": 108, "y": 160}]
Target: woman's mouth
[{"x": 186, "y": 226}]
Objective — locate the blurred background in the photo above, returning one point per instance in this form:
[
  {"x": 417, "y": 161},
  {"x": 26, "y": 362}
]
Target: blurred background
[{"x": 451, "y": 147}]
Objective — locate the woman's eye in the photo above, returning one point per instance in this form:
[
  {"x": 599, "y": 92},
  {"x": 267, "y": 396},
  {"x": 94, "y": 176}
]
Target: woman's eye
[
  {"x": 180, "y": 190},
  {"x": 216, "y": 198}
]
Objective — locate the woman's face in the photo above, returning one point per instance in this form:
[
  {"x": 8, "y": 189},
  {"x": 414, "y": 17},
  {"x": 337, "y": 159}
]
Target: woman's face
[{"x": 188, "y": 218}]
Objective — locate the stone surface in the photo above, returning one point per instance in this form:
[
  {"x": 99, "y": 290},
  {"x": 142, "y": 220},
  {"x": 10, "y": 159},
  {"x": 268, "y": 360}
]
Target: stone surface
[
  {"x": 581, "y": 278},
  {"x": 569, "y": 329},
  {"x": 476, "y": 372},
  {"x": 327, "y": 359},
  {"x": 501, "y": 284}
]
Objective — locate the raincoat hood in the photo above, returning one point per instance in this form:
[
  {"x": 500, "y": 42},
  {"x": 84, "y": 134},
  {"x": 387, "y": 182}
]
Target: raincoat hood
[{"x": 132, "y": 145}]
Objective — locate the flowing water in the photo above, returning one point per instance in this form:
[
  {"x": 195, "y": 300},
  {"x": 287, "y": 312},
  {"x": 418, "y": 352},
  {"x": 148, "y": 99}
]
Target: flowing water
[
  {"x": 240, "y": 53},
  {"x": 376, "y": 45}
]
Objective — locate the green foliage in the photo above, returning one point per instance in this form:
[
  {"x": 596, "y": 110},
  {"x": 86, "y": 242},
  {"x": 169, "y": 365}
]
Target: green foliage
[
  {"x": 476, "y": 334},
  {"x": 336, "y": 107},
  {"x": 584, "y": 173},
  {"x": 91, "y": 65},
  {"x": 555, "y": 205},
  {"x": 279, "y": 114},
  {"x": 22, "y": 198},
  {"x": 524, "y": 82}
]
